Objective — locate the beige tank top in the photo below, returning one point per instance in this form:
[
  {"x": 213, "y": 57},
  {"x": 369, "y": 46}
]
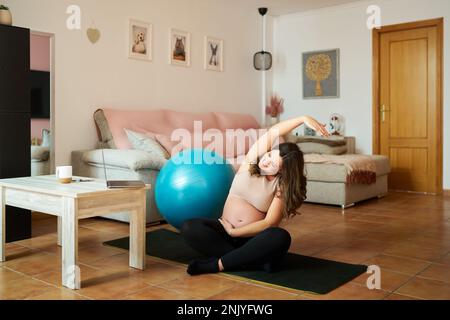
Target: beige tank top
[{"x": 256, "y": 190}]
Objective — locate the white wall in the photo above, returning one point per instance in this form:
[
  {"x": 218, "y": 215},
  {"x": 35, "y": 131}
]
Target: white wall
[
  {"x": 89, "y": 76},
  {"x": 344, "y": 27}
]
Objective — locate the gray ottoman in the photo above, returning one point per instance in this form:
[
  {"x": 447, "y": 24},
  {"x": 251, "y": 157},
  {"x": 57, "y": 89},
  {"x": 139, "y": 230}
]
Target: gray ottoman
[{"x": 327, "y": 184}]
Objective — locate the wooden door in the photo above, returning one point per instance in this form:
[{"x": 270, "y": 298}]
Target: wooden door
[{"x": 409, "y": 118}]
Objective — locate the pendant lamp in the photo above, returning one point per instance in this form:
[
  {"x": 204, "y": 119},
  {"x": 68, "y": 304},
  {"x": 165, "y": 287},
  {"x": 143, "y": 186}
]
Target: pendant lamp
[{"x": 262, "y": 60}]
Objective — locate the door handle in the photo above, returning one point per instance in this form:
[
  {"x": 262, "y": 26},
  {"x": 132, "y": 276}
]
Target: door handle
[{"x": 383, "y": 111}]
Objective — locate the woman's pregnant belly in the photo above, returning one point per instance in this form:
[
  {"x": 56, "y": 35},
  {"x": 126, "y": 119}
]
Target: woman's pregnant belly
[{"x": 239, "y": 212}]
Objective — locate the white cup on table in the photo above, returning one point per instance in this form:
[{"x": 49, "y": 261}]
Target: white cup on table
[{"x": 64, "y": 174}]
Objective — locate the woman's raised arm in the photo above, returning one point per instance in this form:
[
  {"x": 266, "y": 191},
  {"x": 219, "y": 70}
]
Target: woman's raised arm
[{"x": 265, "y": 143}]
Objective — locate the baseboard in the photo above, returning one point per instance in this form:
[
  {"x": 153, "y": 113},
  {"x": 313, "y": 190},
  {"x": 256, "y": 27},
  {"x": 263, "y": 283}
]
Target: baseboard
[{"x": 446, "y": 193}]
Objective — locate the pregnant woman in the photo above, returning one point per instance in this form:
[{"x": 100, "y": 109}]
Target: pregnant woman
[{"x": 269, "y": 186}]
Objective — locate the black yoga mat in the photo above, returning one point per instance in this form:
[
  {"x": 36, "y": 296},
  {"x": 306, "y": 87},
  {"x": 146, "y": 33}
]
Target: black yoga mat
[{"x": 296, "y": 271}]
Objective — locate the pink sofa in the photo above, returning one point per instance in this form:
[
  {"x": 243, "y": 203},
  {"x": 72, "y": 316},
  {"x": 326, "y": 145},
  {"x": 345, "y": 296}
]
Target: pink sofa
[{"x": 123, "y": 162}]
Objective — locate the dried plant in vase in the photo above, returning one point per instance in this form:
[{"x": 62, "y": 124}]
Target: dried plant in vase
[{"x": 275, "y": 108}]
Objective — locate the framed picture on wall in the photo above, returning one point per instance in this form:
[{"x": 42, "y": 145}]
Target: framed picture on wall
[
  {"x": 321, "y": 74},
  {"x": 180, "y": 48},
  {"x": 213, "y": 54},
  {"x": 140, "y": 40}
]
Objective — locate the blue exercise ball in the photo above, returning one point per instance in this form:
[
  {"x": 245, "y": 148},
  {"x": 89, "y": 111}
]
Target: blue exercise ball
[{"x": 194, "y": 183}]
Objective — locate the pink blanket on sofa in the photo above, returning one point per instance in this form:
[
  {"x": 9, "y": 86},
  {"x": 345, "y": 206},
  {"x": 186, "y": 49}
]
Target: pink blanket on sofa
[{"x": 360, "y": 168}]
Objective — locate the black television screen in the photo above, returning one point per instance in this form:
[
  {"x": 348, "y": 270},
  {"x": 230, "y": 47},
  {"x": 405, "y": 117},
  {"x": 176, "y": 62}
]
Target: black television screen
[{"x": 40, "y": 94}]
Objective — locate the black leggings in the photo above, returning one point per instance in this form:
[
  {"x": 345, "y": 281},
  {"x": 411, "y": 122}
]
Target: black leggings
[{"x": 208, "y": 237}]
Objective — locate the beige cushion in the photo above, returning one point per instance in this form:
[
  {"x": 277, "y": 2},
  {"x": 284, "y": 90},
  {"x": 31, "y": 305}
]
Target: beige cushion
[
  {"x": 312, "y": 147},
  {"x": 338, "y": 173},
  {"x": 103, "y": 145},
  {"x": 148, "y": 144},
  {"x": 103, "y": 128},
  {"x": 291, "y": 138},
  {"x": 332, "y": 141}
]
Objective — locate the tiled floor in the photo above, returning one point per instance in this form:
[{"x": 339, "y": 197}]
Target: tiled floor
[{"x": 406, "y": 235}]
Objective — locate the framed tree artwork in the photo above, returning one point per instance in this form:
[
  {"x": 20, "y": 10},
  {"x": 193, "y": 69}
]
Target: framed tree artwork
[{"x": 321, "y": 74}]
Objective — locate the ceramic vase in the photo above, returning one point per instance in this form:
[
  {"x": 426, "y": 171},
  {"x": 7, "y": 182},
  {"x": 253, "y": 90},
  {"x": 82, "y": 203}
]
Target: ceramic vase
[
  {"x": 273, "y": 121},
  {"x": 5, "y": 17}
]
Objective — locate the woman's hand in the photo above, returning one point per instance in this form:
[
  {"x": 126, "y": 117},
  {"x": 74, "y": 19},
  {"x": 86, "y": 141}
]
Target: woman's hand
[
  {"x": 316, "y": 126},
  {"x": 227, "y": 226}
]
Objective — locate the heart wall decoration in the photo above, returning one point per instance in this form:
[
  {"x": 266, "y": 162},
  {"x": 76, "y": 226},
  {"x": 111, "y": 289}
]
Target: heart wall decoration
[{"x": 93, "y": 35}]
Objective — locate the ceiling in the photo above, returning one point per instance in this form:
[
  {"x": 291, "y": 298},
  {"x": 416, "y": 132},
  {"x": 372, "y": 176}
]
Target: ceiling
[{"x": 280, "y": 7}]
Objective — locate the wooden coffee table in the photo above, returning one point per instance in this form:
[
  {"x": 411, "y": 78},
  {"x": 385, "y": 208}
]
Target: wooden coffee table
[{"x": 70, "y": 203}]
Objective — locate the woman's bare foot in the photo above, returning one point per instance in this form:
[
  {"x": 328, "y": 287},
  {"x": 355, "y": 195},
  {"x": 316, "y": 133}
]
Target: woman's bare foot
[{"x": 221, "y": 268}]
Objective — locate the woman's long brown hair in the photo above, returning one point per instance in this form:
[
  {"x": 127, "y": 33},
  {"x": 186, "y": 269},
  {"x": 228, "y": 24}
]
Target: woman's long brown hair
[{"x": 292, "y": 182}]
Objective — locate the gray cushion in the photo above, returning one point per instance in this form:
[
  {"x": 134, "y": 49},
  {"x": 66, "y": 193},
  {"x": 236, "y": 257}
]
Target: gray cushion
[
  {"x": 144, "y": 143},
  {"x": 103, "y": 127},
  {"x": 338, "y": 173},
  {"x": 312, "y": 147},
  {"x": 39, "y": 153},
  {"x": 128, "y": 159}
]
